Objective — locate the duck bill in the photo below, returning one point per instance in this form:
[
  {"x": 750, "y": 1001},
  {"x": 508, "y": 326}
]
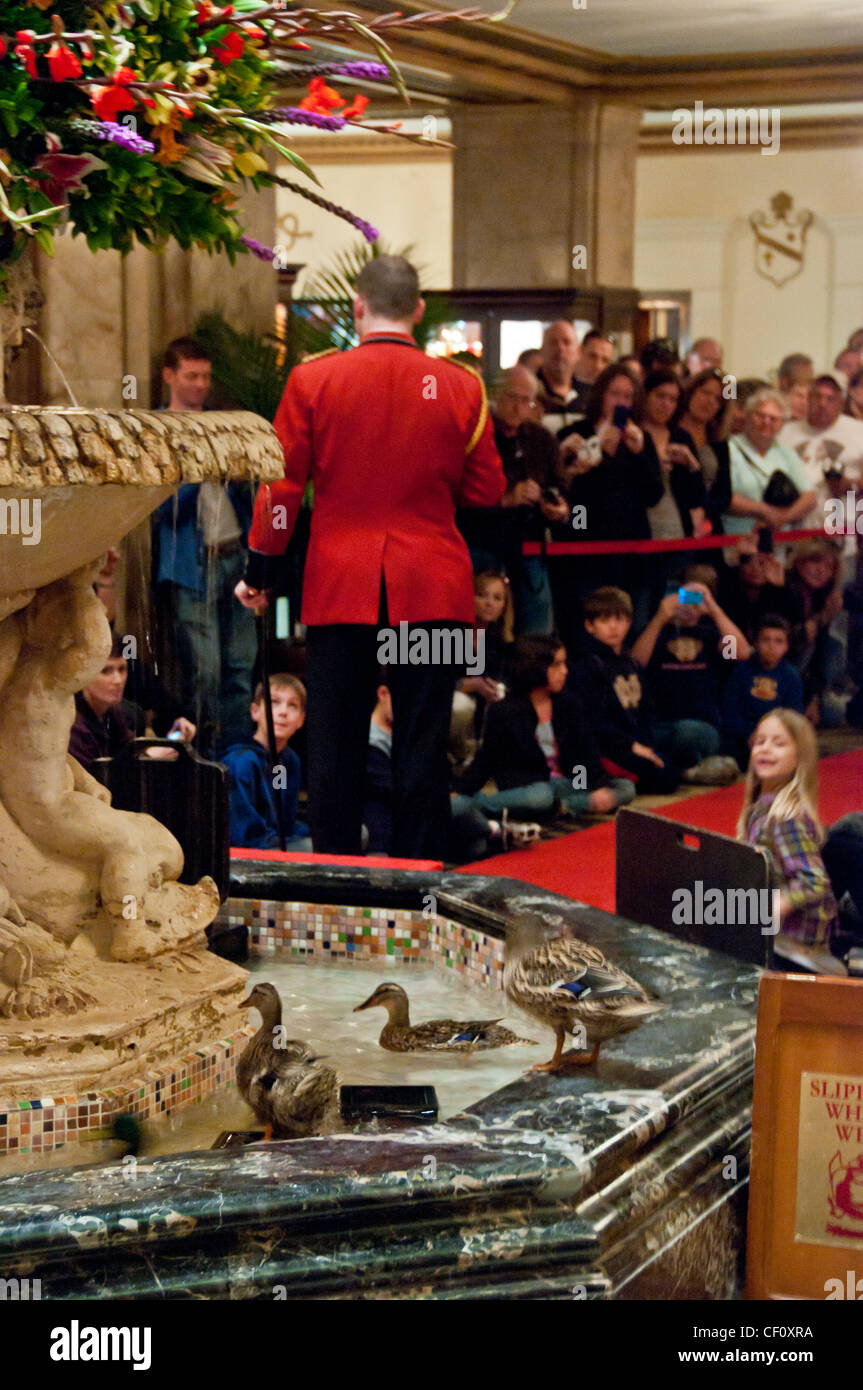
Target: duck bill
[
  {"x": 245, "y": 1003},
  {"x": 367, "y": 1004}
]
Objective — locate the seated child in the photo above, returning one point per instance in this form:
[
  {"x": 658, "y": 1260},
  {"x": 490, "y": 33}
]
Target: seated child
[
  {"x": 764, "y": 682},
  {"x": 472, "y": 834},
  {"x": 538, "y": 746},
  {"x": 255, "y": 784},
  {"x": 493, "y": 608},
  {"x": 780, "y": 815},
  {"x": 685, "y": 649},
  {"x": 610, "y": 685}
]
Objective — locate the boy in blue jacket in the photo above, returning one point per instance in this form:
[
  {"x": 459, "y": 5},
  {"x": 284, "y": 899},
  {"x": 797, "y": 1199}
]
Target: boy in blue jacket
[
  {"x": 254, "y": 784},
  {"x": 766, "y": 681}
]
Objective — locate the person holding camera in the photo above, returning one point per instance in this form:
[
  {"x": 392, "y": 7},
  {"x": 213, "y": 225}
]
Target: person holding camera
[
  {"x": 769, "y": 484},
  {"x": 532, "y": 500},
  {"x": 610, "y": 482}
]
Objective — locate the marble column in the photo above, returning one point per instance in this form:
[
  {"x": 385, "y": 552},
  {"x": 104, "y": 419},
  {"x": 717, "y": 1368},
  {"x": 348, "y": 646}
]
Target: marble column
[
  {"x": 107, "y": 318},
  {"x": 534, "y": 183}
]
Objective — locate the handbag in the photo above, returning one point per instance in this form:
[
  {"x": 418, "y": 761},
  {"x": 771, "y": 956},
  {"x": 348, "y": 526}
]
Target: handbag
[{"x": 781, "y": 491}]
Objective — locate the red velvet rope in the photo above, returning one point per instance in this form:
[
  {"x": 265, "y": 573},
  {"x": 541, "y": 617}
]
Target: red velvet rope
[{"x": 654, "y": 547}]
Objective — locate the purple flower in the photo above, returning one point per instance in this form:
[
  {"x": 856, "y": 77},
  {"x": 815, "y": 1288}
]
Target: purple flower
[
  {"x": 257, "y": 248},
  {"x": 295, "y": 115},
  {"x": 115, "y": 133},
  {"x": 369, "y": 232},
  {"x": 366, "y": 72}
]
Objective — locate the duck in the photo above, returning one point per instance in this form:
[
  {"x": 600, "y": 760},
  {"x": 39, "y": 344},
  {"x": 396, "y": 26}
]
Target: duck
[
  {"x": 291, "y": 1093},
  {"x": 571, "y": 986},
  {"x": 439, "y": 1034}
]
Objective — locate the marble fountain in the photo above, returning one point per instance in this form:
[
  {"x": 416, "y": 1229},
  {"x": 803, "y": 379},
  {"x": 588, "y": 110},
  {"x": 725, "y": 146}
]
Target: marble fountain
[{"x": 625, "y": 1181}]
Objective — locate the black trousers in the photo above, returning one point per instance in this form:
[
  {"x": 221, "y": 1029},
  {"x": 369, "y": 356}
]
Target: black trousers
[{"x": 343, "y": 674}]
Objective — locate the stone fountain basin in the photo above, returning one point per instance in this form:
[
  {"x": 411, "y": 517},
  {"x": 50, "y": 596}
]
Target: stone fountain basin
[{"x": 95, "y": 474}]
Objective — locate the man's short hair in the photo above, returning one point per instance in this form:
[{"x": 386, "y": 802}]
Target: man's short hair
[
  {"x": 184, "y": 350},
  {"x": 773, "y": 620},
  {"x": 280, "y": 680},
  {"x": 794, "y": 368},
  {"x": 607, "y": 602},
  {"x": 390, "y": 286},
  {"x": 595, "y": 333}
]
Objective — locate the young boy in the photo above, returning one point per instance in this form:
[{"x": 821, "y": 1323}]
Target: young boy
[
  {"x": 610, "y": 686},
  {"x": 686, "y": 650},
  {"x": 766, "y": 681},
  {"x": 254, "y": 784}
]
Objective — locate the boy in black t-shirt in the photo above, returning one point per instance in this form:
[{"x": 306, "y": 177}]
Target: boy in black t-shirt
[
  {"x": 611, "y": 687},
  {"x": 683, "y": 650}
]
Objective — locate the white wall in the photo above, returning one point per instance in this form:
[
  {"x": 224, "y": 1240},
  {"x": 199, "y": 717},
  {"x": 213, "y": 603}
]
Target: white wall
[
  {"x": 693, "y": 233},
  {"x": 409, "y": 200}
]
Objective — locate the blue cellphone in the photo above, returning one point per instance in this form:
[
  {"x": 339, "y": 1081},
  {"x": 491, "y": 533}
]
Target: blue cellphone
[
  {"x": 689, "y": 596},
  {"x": 620, "y": 419}
]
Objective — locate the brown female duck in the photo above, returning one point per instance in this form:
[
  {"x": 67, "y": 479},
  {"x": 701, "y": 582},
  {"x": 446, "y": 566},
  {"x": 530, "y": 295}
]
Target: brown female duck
[
  {"x": 439, "y": 1034},
  {"x": 291, "y": 1094}
]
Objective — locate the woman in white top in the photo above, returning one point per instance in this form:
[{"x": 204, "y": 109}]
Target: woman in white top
[{"x": 755, "y": 456}]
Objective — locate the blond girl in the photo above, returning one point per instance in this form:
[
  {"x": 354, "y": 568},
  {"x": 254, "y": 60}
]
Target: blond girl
[{"x": 780, "y": 815}]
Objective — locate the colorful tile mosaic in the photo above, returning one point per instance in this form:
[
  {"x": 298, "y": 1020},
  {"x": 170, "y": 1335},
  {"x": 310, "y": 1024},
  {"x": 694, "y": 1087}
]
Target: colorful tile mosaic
[
  {"x": 36, "y": 1126},
  {"x": 400, "y": 936},
  {"x": 363, "y": 933}
]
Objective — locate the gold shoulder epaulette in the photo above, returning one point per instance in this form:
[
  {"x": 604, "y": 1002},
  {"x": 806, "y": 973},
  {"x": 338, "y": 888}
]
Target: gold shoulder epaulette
[
  {"x": 483, "y": 414},
  {"x": 313, "y": 356}
]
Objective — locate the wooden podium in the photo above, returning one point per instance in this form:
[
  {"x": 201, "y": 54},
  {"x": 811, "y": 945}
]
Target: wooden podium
[{"x": 806, "y": 1184}]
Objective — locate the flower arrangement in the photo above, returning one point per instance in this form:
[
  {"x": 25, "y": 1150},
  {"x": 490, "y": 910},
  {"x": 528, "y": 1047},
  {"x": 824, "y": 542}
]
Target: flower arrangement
[{"x": 145, "y": 119}]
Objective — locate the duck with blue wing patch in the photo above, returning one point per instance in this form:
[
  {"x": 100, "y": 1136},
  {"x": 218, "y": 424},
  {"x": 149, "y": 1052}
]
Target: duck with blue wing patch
[
  {"x": 571, "y": 986},
  {"x": 439, "y": 1034}
]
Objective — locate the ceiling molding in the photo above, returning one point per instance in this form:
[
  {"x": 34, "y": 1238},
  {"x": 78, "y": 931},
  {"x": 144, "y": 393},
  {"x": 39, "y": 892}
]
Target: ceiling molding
[
  {"x": 840, "y": 132},
  {"x": 478, "y": 62}
]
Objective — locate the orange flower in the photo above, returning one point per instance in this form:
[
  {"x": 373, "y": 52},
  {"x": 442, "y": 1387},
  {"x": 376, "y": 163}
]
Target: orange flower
[{"x": 169, "y": 151}]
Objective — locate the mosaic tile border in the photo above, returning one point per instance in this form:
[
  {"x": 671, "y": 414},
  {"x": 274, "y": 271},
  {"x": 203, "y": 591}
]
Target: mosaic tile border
[
  {"x": 49, "y": 1122},
  {"x": 397, "y": 936}
]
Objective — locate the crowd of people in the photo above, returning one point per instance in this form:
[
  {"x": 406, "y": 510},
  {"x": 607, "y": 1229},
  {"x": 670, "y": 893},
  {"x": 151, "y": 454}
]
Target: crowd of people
[{"x": 613, "y": 670}]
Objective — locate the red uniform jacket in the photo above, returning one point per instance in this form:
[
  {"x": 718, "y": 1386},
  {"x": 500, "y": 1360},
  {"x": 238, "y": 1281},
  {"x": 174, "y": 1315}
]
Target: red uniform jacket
[{"x": 393, "y": 442}]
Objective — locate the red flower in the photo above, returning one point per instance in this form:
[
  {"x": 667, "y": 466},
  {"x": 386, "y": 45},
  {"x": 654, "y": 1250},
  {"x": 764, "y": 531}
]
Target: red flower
[
  {"x": 63, "y": 62},
  {"x": 254, "y": 31},
  {"x": 327, "y": 97},
  {"x": 204, "y": 10},
  {"x": 24, "y": 49},
  {"x": 107, "y": 102},
  {"x": 230, "y": 48},
  {"x": 356, "y": 108},
  {"x": 123, "y": 76},
  {"x": 2, "y": 48}
]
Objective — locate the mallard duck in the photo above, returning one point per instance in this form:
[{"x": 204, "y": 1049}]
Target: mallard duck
[
  {"x": 290, "y": 1092},
  {"x": 439, "y": 1034},
  {"x": 573, "y": 988}
]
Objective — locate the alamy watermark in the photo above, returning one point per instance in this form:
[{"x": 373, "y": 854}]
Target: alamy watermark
[
  {"x": 752, "y": 907},
  {"x": 436, "y": 646},
  {"x": 21, "y": 517},
  {"x": 753, "y": 125}
]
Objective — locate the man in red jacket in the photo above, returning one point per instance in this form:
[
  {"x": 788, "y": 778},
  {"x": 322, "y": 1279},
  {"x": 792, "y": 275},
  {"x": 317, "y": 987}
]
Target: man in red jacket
[{"x": 393, "y": 442}]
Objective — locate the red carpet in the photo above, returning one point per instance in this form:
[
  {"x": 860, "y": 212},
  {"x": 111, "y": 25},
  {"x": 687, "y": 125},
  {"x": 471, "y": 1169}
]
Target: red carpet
[{"x": 581, "y": 865}]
